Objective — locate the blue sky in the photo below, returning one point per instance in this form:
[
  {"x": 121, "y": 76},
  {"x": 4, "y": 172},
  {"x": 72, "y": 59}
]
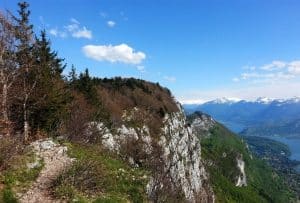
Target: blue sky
[{"x": 201, "y": 50}]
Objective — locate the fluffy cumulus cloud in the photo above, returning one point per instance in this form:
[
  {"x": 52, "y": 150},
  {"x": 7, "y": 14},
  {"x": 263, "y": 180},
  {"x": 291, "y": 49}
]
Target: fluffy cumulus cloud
[
  {"x": 121, "y": 53},
  {"x": 73, "y": 29},
  {"x": 111, "y": 23},
  {"x": 78, "y": 31},
  {"x": 272, "y": 72}
]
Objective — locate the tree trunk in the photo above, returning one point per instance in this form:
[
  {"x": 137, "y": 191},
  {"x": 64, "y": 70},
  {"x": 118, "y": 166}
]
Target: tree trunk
[
  {"x": 25, "y": 117},
  {"x": 26, "y": 130}
]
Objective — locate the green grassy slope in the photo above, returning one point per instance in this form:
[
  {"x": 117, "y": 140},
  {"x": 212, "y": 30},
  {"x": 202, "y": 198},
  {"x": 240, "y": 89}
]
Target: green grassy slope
[
  {"x": 220, "y": 151},
  {"x": 18, "y": 177},
  {"x": 97, "y": 176}
]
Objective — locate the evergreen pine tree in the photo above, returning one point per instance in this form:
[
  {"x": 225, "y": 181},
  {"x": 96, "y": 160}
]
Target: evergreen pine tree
[
  {"x": 50, "y": 93},
  {"x": 27, "y": 71}
]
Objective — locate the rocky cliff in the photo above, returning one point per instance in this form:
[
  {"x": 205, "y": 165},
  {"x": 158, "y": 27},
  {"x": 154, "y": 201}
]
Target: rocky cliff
[{"x": 178, "y": 168}]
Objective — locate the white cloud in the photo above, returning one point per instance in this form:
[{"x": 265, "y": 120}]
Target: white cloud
[
  {"x": 294, "y": 67},
  {"x": 248, "y": 75},
  {"x": 270, "y": 73},
  {"x": 141, "y": 69},
  {"x": 111, "y": 23},
  {"x": 265, "y": 77},
  {"x": 120, "y": 53},
  {"x": 275, "y": 65},
  {"x": 82, "y": 33},
  {"x": 235, "y": 79},
  {"x": 73, "y": 20},
  {"x": 73, "y": 29},
  {"x": 56, "y": 33},
  {"x": 278, "y": 79},
  {"x": 78, "y": 32},
  {"x": 191, "y": 101},
  {"x": 170, "y": 78},
  {"x": 53, "y": 32}
]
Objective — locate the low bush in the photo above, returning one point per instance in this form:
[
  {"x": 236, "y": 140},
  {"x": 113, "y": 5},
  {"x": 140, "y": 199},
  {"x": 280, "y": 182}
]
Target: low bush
[
  {"x": 9, "y": 148},
  {"x": 98, "y": 177}
]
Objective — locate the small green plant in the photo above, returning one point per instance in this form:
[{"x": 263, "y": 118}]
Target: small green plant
[
  {"x": 8, "y": 196},
  {"x": 18, "y": 176}
]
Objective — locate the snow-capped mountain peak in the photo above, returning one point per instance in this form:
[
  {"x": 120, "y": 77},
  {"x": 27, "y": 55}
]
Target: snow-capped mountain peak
[
  {"x": 294, "y": 100},
  {"x": 225, "y": 100},
  {"x": 264, "y": 100},
  {"x": 232, "y": 100}
]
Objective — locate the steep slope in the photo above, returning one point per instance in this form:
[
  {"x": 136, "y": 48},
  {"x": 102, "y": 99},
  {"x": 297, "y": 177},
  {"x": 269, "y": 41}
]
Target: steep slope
[
  {"x": 235, "y": 174},
  {"x": 277, "y": 155},
  {"x": 172, "y": 157},
  {"x": 142, "y": 126}
]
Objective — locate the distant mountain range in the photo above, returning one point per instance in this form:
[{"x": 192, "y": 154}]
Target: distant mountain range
[{"x": 261, "y": 117}]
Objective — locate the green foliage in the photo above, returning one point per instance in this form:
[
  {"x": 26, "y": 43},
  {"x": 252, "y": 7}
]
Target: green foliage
[
  {"x": 18, "y": 176},
  {"x": 273, "y": 146},
  {"x": 8, "y": 196},
  {"x": 37, "y": 96},
  {"x": 100, "y": 178},
  {"x": 50, "y": 95},
  {"x": 221, "y": 149}
]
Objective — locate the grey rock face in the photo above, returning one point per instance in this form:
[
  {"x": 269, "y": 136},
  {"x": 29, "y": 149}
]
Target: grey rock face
[
  {"x": 182, "y": 155},
  {"x": 180, "y": 152}
]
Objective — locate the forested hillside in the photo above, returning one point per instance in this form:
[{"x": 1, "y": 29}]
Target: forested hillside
[{"x": 236, "y": 174}]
